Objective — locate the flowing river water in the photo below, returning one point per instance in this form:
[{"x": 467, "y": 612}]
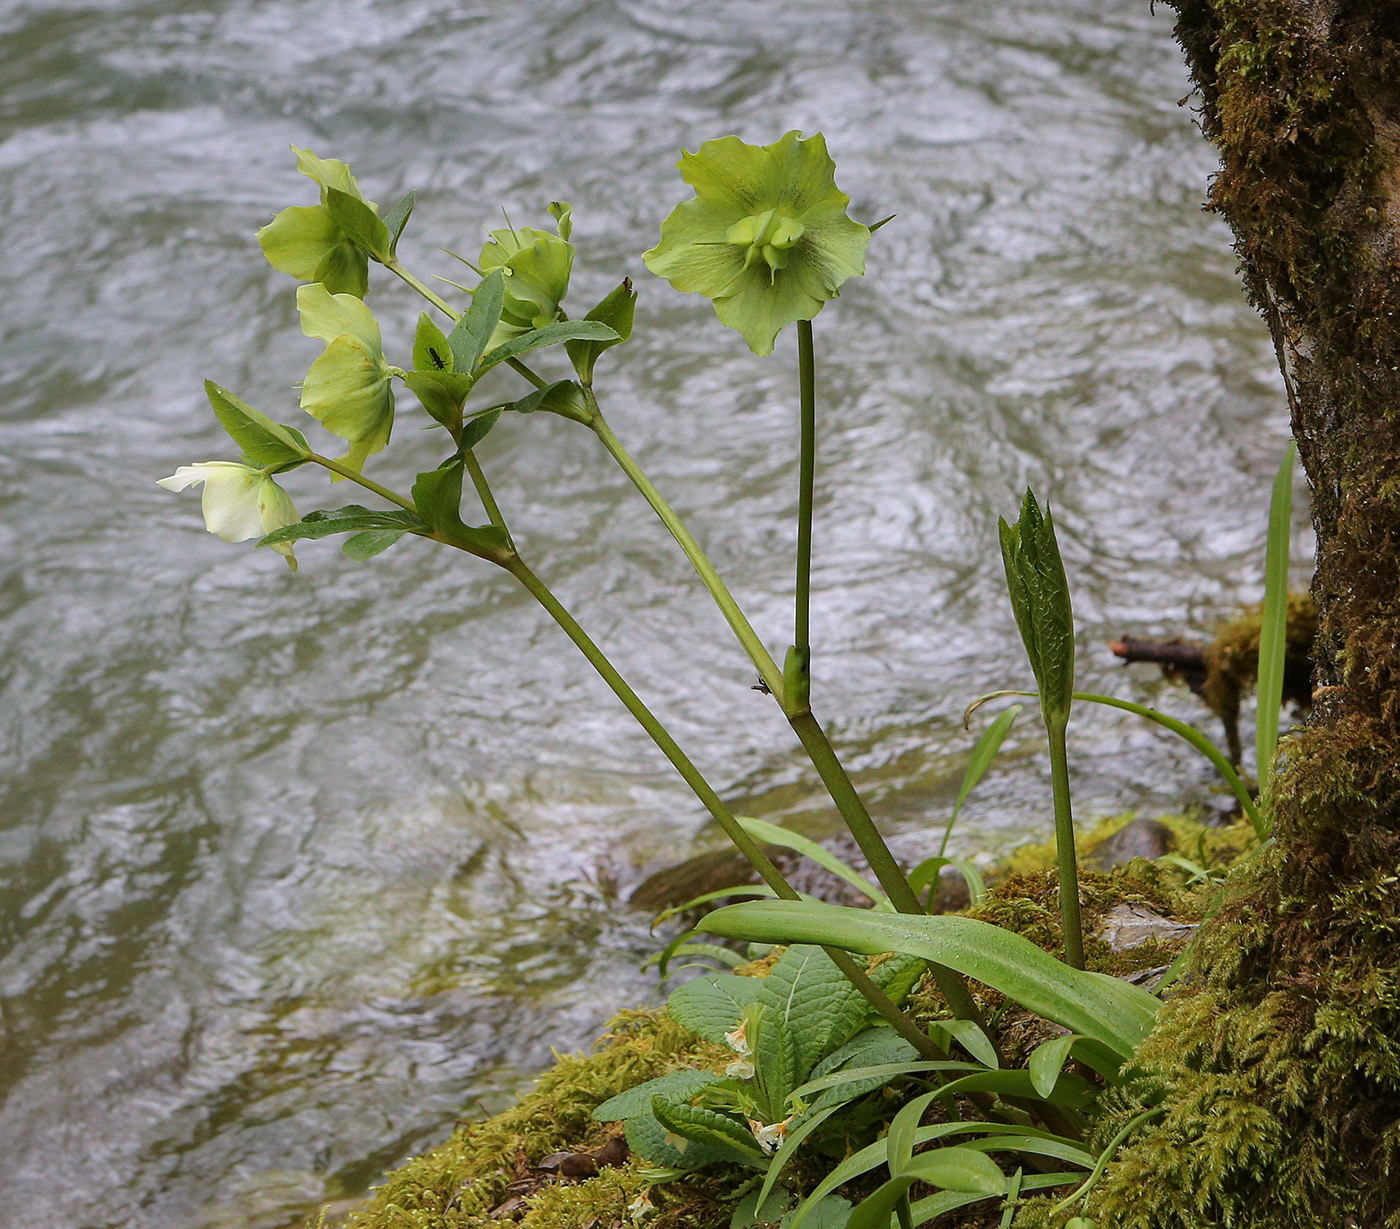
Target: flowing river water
[{"x": 294, "y": 871}]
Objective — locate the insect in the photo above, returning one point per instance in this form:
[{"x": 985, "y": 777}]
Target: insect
[
  {"x": 762, "y": 687},
  {"x": 438, "y": 361}
]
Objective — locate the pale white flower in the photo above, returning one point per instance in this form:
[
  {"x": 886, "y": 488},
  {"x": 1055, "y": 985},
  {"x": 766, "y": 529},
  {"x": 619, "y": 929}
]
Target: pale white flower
[
  {"x": 239, "y": 502},
  {"x": 770, "y": 1138},
  {"x": 641, "y": 1207},
  {"x": 740, "y": 1069},
  {"x": 737, "y": 1041}
]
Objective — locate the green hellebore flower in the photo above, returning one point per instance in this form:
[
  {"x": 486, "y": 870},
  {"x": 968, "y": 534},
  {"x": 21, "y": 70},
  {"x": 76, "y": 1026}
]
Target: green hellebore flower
[
  {"x": 537, "y": 266},
  {"x": 240, "y": 501},
  {"x": 347, "y": 389},
  {"x": 307, "y": 241},
  {"x": 766, "y": 236}
]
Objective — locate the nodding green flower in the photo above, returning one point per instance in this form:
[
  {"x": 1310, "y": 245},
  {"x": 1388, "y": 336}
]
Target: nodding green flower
[
  {"x": 537, "y": 266},
  {"x": 308, "y": 242},
  {"x": 347, "y": 389},
  {"x": 240, "y": 501},
  {"x": 766, "y": 237}
]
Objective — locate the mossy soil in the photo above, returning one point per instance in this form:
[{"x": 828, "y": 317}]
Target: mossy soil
[{"x": 490, "y": 1172}]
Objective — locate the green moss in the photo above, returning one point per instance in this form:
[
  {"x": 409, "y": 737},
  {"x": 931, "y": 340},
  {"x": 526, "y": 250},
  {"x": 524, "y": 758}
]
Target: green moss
[{"x": 457, "y": 1185}]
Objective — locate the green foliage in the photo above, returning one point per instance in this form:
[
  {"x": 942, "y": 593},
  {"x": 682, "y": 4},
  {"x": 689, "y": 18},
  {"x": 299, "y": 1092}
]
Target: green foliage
[{"x": 1035, "y": 578}]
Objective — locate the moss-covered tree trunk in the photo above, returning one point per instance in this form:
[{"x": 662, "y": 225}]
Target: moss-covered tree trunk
[{"x": 1282, "y": 1064}]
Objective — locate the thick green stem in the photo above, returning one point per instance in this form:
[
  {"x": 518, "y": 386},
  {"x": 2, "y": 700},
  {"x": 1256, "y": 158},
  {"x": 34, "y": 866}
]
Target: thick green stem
[
  {"x": 483, "y": 490},
  {"x": 1064, "y": 844},
  {"x": 760, "y": 861},
  {"x": 346, "y": 472},
  {"x": 807, "y": 465},
  {"x": 876, "y": 852},
  {"x": 758, "y": 653}
]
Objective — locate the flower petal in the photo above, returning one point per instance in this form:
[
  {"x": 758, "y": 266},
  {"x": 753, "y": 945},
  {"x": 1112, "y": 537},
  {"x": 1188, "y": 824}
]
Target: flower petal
[
  {"x": 764, "y": 304},
  {"x": 327, "y": 316},
  {"x": 732, "y": 176},
  {"x": 347, "y": 390},
  {"x": 230, "y": 503},
  {"x": 329, "y": 173},
  {"x": 298, "y": 239},
  {"x": 694, "y": 254}
]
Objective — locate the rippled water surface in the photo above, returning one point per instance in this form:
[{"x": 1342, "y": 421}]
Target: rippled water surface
[{"x": 295, "y": 871}]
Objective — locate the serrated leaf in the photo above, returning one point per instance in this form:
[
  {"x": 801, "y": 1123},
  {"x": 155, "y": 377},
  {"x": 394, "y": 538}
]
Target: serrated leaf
[
  {"x": 774, "y": 1059},
  {"x": 616, "y": 310},
  {"x": 371, "y": 542},
  {"x": 710, "y": 1007},
  {"x": 649, "y": 1139},
  {"x": 831, "y": 1212},
  {"x": 709, "y": 1128},
  {"x": 360, "y": 223},
  {"x": 808, "y": 992},
  {"x": 263, "y": 441},
  {"x": 637, "y": 1100},
  {"x": 397, "y": 218},
  {"x": 473, "y": 329},
  {"x": 747, "y": 1214},
  {"x": 550, "y": 335},
  {"x": 1047, "y": 1060}
]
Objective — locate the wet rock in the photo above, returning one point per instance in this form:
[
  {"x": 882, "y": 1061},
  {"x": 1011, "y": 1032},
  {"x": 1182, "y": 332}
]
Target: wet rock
[
  {"x": 1143, "y": 838},
  {"x": 1129, "y": 925},
  {"x": 952, "y": 894},
  {"x": 728, "y": 868}
]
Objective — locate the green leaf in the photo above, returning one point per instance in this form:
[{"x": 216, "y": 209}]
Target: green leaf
[
  {"x": 897, "y": 976},
  {"x": 263, "y": 441},
  {"x": 831, "y": 1212},
  {"x": 437, "y": 495},
  {"x": 1273, "y": 627},
  {"x": 981, "y": 759},
  {"x": 550, "y": 335},
  {"x": 431, "y": 352},
  {"x": 637, "y": 1100},
  {"x": 1035, "y": 579},
  {"x": 476, "y": 429},
  {"x": 1197, "y": 740},
  {"x": 772, "y": 834},
  {"x": 360, "y": 223},
  {"x": 473, "y": 329},
  {"x": 1070, "y": 1090},
  {"x": 1046, "y": 1062},
  {"x": 616, "y": 310},
  {"x": 972, "y": 1039},
  {"x": 873, "y": 1155},
  {"x": 710, "y": 1007},
  {"x": 298, "y": 239},
  {"x": 954, "y": 1169},
  {"x": 353, "y": 518},
  {"x": 561, "y": 397},
  {"x": 1110, "y": 1011},
  {"x": 808, "y": 992},
  {"x": 950, "y": 1201},
  {"x": 441, "y": 394},
  {"x": 708, "y": 1127},
  {"x": 397, "y": 218},
  {"x": 370, "y": 543},
  {"x": 774, "y": 1059}
]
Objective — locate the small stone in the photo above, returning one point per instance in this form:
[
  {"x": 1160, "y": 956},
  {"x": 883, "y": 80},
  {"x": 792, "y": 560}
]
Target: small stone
[
  {"x": 1143, "y": 838},
  {"x": 1129, "y": 925}
]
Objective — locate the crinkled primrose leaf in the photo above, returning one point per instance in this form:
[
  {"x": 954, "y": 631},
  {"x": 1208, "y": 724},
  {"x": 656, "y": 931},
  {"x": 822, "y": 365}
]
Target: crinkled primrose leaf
[
  {"x": 766, "y": 237},
  {"x": 347, "y": 389}
]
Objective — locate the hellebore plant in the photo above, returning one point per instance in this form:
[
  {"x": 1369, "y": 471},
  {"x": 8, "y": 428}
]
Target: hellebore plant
[{"x": 768, "y": 239}]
